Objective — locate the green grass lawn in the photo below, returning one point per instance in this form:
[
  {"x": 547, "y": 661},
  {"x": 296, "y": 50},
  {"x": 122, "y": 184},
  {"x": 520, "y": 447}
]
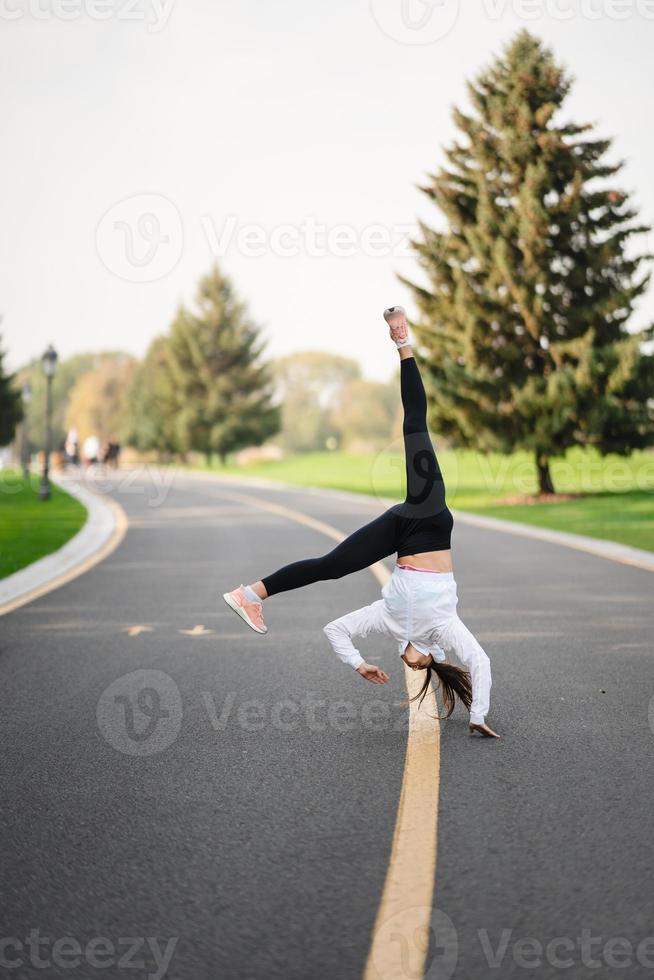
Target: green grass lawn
[
  {"x": 616, "y": 502},
  {"x": 31, "y": 528}
]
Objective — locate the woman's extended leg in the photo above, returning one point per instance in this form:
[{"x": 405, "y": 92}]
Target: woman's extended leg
[
  {"x": 369, "y": 544},
  {"x": 364, "y": 547},
  {"x": 425, "y": 489}
]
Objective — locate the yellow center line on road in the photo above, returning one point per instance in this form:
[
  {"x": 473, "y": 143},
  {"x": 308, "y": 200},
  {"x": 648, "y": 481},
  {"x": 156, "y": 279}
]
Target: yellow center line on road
[{"x": 400, "y": 939}]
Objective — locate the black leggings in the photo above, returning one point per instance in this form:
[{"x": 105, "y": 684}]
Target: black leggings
[{"x": 425, "y": 496}]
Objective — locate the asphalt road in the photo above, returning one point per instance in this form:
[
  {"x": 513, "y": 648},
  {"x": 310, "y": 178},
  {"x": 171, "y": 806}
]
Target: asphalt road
[{"x": 224, "y": 803}]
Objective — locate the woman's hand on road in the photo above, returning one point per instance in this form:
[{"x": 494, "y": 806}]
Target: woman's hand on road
[{"x": 373, "y": 674}]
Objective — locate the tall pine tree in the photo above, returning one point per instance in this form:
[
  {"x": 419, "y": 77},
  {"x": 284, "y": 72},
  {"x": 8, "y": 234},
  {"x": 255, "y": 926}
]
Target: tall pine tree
[
  {"x": 11, "y": 410},
  {"x": 152, "y": 406},
  {"x": 221, "y": 388},
  {"x": 530, "y": 287}
]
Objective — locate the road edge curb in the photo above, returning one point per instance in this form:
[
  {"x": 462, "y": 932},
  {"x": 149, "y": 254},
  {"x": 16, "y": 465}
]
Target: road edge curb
[{"x": 105, "y": 527}]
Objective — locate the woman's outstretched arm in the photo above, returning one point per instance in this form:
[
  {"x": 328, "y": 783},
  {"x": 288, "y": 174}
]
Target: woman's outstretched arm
[{"x": 361, "y": 622}]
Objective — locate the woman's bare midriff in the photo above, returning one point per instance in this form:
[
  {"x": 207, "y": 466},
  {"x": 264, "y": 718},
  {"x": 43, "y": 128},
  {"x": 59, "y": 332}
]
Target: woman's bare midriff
[{"x": 434, "y": 561}]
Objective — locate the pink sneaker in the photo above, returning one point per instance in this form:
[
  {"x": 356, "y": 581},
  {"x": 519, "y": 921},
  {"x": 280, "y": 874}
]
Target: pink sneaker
[
  {"x": 251, "y": 612},
  {"x": 395, "y": 317}
]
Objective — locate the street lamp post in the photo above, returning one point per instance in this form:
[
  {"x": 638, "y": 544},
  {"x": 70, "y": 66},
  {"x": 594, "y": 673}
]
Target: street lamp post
[
  {"x": 26, "y": 396},
  {"x": 49, "y": 363}
]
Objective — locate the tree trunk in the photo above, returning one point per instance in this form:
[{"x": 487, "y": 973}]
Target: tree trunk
[{"x": 545, "y": 484}]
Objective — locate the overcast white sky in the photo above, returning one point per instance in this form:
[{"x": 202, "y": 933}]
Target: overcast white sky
[{"x": 142, "y": 140}]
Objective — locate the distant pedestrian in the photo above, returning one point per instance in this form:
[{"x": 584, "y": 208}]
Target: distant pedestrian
[
  {"x": 71, "y": 447},
  {"x": 91, "y": 450},
  {"x": 110, "y": 454},
  {"x": 418, "y": 608}
]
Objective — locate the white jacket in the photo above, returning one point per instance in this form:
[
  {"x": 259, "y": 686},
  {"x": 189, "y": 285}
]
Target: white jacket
[{"x": 418, "y": 607}]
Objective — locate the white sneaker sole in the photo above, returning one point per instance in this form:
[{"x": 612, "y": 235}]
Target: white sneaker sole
[{"x": 242, "y": 613}]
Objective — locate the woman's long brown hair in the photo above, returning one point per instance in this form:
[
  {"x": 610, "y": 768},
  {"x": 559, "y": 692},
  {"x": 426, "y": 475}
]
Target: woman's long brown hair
[{"x": 454, "y": 682}]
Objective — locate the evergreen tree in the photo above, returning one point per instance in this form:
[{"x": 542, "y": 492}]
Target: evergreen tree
[
  {"x": 530, "y": 286},
  {"x": 221, "y": 389},
  {"x": 11, "y": 410},
  {"x": 150, "y": 423}
]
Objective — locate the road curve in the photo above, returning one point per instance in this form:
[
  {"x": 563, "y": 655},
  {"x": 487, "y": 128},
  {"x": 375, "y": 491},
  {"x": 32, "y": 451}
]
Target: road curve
[{"x": 246, "y": 830}]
